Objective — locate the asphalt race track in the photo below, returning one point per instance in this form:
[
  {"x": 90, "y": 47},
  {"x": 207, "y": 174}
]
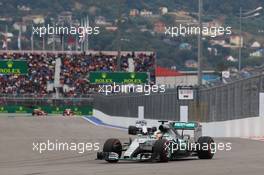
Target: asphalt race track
[{"x": 17, "y": 157}]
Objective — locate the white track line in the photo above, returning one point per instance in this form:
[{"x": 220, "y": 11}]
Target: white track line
[
  {"x": 85, "y": 118},
  {"x": 112, "y": 127},
  {"x": 258, "y": 138}
]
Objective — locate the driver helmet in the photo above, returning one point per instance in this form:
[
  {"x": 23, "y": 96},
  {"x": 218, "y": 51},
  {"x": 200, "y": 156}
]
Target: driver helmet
[{"x": 158, "y": 134}]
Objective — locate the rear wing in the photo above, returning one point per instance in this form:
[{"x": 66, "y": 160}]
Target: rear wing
[
  {"x": 195, "y": 126},
  {"x": 186, "y": 125}
]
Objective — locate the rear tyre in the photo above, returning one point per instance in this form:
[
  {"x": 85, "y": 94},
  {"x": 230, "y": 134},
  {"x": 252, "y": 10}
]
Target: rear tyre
[
  {"x": 132, "y": 130},
  {"x": 113, "y": 145},
  {"x": 206, "y": 146},
  {"x": 160, "y": 150}
]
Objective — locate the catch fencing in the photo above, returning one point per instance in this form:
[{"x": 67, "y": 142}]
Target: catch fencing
[{"x": 235, "y": 100}]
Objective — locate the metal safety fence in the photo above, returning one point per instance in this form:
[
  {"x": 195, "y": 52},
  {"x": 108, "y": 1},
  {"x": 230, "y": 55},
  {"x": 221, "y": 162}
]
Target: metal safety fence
[{"x": 235, "y": 100}]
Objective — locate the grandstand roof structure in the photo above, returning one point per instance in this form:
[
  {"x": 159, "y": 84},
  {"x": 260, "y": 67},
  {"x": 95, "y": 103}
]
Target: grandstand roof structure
[{"x": 165, "y": 72}]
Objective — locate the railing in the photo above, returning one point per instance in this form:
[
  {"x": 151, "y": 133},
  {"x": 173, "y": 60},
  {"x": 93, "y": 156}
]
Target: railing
[
  {"x": 31, "y": 101},
  {"x": 239, "y": 99}
]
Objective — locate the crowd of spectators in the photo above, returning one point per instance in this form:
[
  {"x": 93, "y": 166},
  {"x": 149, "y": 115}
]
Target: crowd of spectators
[
  {"x": 73, "y": 74},
  {"x": 142, "y": 62},
  {"x": 40, "y": 72}
]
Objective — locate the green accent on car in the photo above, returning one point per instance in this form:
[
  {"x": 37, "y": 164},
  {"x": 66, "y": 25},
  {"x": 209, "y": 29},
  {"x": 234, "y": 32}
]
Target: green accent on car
[{"x": 185, "y": 125}]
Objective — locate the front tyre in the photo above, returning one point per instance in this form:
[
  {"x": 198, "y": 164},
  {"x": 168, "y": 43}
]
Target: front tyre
[{"x": 113, "y": 145}]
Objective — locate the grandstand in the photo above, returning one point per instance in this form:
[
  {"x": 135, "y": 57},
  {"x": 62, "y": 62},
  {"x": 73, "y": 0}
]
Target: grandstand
[{"x": 65, "y": 73}]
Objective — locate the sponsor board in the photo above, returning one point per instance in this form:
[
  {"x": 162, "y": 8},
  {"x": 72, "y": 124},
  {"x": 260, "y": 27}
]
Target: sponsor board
[
  {"x": 83, "y": 110},
  {"x": 13, "y": 67},
  {"x": 118, "y": 77}
]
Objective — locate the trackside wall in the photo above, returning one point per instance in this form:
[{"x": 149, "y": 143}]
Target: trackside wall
[{"x": 247, "y": 127}]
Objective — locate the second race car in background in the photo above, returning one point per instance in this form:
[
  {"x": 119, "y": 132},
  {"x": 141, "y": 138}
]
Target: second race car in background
[
  {"x": 39, "y": 112},
  {"x": 68, "y": 112}
]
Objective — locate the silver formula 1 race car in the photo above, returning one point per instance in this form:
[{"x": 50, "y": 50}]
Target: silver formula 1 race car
[{"x": 167, "y": 143}]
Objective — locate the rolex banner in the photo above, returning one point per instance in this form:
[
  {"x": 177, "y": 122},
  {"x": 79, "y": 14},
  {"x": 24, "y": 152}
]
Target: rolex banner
[
  {"x": 118, "y": 77},
  {"x": 13, "y": 67}
]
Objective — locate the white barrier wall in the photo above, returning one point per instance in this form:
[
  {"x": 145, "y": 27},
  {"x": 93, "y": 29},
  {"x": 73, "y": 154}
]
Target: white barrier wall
[
  {"x": 120, "y": 121},
  {"x": 248, "y": 127},
  {"x": 261, "y": 104}
]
